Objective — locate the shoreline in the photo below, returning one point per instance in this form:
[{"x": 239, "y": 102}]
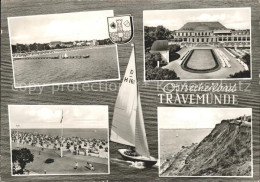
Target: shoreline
[
  {"x": 171, "y": 167},
  {"x": 55, "y": 51}
]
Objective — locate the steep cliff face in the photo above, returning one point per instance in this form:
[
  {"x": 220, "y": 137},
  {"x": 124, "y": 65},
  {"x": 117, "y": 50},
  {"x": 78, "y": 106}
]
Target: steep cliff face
[{"x": 226, "y": 151}]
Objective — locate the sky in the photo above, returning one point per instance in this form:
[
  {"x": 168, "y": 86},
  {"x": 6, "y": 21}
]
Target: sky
[
  {"x": 233, "y": 18},
  {"x": 190, "y": 117},
  {"x": 59, "y": 27},
  {"x": 49, "y": 116}
]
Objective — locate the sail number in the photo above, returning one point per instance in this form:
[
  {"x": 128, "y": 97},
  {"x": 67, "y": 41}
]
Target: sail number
[{"x": 130, "y": 79}]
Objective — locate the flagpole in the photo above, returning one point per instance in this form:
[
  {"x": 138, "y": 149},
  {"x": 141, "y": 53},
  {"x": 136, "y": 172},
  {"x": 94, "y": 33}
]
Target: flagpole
[
  {"x": 61, "y": 134},
  {"x": 133, "y": 46},
  {"x": 61, "y": 140}
]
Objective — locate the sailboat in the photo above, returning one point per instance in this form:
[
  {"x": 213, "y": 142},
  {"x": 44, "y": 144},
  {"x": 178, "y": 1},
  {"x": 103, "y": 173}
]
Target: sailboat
[{"x": 128, "y": 123}]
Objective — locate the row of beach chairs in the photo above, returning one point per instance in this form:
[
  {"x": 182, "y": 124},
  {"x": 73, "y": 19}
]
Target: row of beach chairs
[
  {"x": 243, "y": 64},
  {"x": 184, "y": 56},
  {"x": 223, "y": 58},
  {"x": 246, "y": 51},
  {"x": 238, "y": 59},
  {"x": 235, "y": 53},
  {"x": 240, "y": 53}
]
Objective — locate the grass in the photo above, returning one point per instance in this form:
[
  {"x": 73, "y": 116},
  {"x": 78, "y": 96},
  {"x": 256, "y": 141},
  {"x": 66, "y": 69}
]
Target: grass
[{"x": 201, "y": 61}]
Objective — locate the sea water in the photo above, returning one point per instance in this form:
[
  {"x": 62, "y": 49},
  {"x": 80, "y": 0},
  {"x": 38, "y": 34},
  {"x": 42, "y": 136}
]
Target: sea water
[
  {"x": 101, "y": 65},
  {"x": 172, "y": 140}
]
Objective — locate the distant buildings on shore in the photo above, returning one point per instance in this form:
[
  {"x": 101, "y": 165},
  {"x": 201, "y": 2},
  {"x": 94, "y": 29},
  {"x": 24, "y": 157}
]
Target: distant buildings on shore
[
  {"x": 23, "y": 48},
  {"x": 55, "y": 44}
]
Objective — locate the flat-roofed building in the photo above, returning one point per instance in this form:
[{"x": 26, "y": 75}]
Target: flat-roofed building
[{"x": 211, "y": 33}]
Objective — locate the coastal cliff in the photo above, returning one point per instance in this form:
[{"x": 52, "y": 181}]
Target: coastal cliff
[{"x": 226, "y": 151}]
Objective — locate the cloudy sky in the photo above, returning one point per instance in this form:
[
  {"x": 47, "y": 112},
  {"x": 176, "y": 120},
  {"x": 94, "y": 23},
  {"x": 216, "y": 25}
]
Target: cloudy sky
[
  {"x": 59, "y": 27},
  {"x": 235, "y": 18},
  {"x": 49, "y": 116},
  {"x": 187, "y": 117}
]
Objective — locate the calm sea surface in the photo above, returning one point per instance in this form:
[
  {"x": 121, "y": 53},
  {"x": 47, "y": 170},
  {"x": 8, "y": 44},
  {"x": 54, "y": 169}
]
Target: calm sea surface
[
  {"x": 101, "y": 65},
  {"x": 171, "y": 140}
]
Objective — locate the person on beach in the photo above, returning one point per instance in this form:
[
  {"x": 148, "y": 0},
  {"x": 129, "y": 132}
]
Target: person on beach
[
  {"x": 90, "y": 166},
  {"x": 76, "y": 165}
]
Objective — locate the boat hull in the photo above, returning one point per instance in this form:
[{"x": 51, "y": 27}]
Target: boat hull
[{"x": 147, "y": 162}]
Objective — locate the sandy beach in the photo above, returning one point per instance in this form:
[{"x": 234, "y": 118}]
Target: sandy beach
[{"x": 64, "y": 165}]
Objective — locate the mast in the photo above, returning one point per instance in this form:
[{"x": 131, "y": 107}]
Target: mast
[{"x": 141, "y": 144}]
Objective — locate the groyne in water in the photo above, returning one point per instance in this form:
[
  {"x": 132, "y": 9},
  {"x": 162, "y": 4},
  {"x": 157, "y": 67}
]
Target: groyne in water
[{"x": 53, "y": 57}]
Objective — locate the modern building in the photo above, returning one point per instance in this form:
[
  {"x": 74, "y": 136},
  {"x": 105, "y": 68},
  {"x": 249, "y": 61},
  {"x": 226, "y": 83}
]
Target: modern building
[
  {"x": 211, "y": 33},
  {"x": 161, "y": 46}
]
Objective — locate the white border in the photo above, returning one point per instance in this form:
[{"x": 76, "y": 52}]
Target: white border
[
  {"x": 252, "y": 152},
  {"x": 251, "y": 59},
  {"x": 81, "y": 174},
  {"x": 65, "y": 83}
]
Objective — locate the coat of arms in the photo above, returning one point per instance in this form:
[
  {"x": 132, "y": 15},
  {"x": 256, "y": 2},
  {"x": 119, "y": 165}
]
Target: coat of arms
[{"x": 120, "y": 28}]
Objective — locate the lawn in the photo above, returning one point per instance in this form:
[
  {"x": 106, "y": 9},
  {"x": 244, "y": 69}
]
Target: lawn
[{"x": 201, "y": 59}]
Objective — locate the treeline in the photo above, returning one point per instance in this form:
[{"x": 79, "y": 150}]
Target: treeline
[
  {"x": 105, "y": 42},
  {"x": 22, "y": 48},
  {"x": 152, "y": 34},
  {"x": 152, "y": 72}
]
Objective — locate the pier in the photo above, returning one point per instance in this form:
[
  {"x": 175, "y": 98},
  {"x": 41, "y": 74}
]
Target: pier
[{"x": 53, "y": 57}]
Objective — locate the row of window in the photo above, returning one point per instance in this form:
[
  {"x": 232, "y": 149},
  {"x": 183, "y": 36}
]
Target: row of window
[
  {"x": 234, "y": 39},
  {"x": 214, "y": 39},
  {"x": 194, "y": 33},
  {"x": 241, "y": 33},
  {"x": 208, "y": 33}
]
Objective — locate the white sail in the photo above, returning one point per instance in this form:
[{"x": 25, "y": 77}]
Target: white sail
[
  {"x": 124, "y": 118},
  {"x": 141, "y": 145}
]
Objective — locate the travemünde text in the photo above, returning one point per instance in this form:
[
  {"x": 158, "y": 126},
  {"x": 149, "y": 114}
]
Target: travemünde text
[{"x": 202, "y": 93}]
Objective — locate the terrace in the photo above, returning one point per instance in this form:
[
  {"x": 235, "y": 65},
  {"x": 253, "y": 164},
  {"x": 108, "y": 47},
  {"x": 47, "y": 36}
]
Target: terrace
[{"x": 205, "y": 62}]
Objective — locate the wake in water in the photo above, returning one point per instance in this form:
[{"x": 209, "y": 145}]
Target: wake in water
[{"x": 137, "y": 165}]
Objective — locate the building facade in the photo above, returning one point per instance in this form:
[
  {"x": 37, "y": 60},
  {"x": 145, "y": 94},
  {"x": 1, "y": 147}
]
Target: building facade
[{"x": 211, "y": 33}]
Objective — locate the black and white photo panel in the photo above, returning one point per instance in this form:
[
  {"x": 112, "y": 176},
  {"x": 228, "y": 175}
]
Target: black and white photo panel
[
  {"x": 197, "y": 44},
  {"x": 205, "y": 142},
  {"x": 59, "y": 139},
  {"x": 63, "y": 48}
]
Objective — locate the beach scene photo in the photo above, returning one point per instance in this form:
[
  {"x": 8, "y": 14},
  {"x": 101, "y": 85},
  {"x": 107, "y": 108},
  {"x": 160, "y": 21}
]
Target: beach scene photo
[
  {"x": 59, "y": 140},
  {"x": 62, "y": 48},
  {"x": 205, "y": 142},
  {"x": 197, "y": 44}
]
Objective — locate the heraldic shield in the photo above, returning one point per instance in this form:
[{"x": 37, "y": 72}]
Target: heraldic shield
[{"x": 120, "y": 28}]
